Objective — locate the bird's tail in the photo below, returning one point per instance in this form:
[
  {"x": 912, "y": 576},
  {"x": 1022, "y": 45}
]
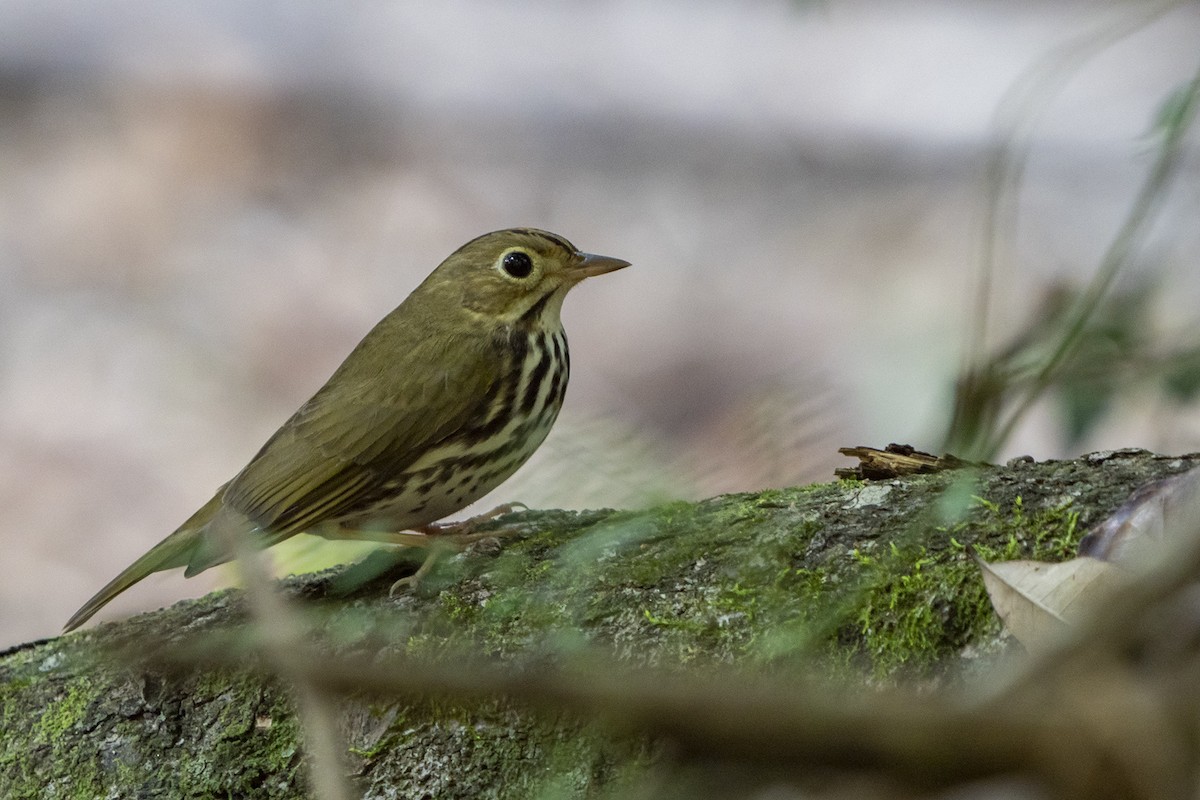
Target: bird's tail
[{"x": 179, "y": 549}]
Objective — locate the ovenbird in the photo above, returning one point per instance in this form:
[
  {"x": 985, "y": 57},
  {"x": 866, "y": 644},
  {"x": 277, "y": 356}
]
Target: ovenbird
[{"x": 441, "y": 402}]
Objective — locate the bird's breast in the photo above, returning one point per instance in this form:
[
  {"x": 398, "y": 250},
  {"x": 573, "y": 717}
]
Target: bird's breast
[{"x": 510, "y": 424}]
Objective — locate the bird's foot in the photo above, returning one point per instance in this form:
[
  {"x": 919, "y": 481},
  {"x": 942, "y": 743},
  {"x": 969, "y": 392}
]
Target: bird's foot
[
  {"x": 466, "y": 526},
  {"x": 454, "y": 536},
  {"x": 411, "y": 582}
]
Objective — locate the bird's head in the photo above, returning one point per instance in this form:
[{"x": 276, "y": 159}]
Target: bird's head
[{"x": 514, "y": 275}]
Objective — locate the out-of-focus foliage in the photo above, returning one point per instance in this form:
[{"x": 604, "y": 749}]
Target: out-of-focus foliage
[
  {"x": 1118, "y": 352},
  {"x": 1086, "y": 346}
]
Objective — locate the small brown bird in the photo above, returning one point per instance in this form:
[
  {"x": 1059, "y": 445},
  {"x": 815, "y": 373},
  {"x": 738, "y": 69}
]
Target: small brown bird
[{"x": 441, "y": 402}]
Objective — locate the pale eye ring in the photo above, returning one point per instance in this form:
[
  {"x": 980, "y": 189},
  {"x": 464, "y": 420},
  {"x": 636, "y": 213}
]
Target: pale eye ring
[{"x": 517, "y": 264}]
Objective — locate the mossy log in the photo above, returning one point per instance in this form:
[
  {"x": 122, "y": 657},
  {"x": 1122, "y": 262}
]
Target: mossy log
[{"x": 869, "y": 582}]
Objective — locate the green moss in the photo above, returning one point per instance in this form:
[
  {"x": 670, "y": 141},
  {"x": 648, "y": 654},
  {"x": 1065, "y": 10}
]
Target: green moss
[
  {"x": 894, "y": 611},
  {"x": 919, "y": 604},
  {"x": 247, "y": 736},
  {"x": 63, "y": 713},
  {"x": 456, "y": 609},
  {"x": 918, "y": 608},
  {"x": 1051, "y": 534}
]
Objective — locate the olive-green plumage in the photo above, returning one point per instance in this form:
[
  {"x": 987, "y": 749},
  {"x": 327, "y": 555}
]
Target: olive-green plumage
[{"x": 444, "y": 399}]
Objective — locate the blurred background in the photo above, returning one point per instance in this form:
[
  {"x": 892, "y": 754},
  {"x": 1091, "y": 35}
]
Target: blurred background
[{"x": 204, "y": 205}]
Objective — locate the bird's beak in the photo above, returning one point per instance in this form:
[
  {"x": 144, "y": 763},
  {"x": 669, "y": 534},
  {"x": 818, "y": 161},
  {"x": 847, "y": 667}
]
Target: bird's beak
[{"x": 587, "y": 265}]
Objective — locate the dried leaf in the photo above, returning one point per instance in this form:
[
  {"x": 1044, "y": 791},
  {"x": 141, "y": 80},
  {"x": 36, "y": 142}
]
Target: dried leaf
[
  {"x": 1139, "y": 524},
  {"x": 1037, "y": 601}
]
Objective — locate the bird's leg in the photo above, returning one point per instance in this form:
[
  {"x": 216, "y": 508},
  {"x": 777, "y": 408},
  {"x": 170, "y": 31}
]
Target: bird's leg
[{"x": 435, "y": 538}]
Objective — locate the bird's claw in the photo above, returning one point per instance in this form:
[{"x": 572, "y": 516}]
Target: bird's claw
[{"x": 411, "y": 582}]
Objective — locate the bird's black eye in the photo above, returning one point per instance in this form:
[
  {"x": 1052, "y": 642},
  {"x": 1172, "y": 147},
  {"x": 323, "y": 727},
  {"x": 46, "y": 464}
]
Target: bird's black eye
[{"x": 517, "y": 264}]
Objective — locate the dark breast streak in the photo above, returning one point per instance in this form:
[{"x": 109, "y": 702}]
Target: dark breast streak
[
  {"x": 512, "y": 422},
  {"x": 534, "y": 367}
]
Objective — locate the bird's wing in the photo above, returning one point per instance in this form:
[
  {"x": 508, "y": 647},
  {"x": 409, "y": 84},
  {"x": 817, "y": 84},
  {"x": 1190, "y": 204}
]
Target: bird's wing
[{"x": 336, "y": 455}]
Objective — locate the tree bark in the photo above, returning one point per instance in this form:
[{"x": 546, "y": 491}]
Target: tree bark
[{"x": 863, "y": 582}]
